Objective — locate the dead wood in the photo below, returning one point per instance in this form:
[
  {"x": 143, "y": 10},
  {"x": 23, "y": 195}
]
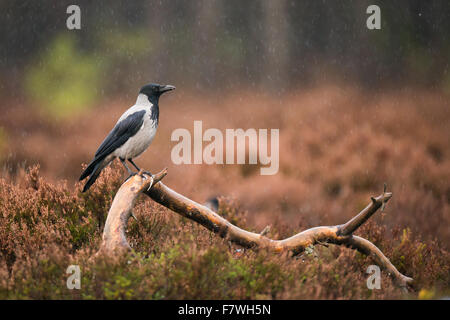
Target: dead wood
[{"x": 114, "y": 237}]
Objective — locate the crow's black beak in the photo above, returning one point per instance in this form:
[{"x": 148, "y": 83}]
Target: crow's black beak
[{"x": 166, "y": 88}]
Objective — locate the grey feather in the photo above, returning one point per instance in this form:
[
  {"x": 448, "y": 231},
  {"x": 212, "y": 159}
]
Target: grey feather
[{"x": 123, "y": 131}]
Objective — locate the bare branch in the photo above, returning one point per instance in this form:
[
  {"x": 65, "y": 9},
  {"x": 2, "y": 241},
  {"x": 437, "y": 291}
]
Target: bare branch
[
  {"x": 114, "y": 232},
  {"x": 121, "y": 209},
  {"x": 350, "y": 226}
]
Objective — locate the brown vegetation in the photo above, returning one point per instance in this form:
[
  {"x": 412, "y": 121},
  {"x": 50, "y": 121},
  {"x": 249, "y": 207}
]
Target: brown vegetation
[
  {"x": 114, "y": 240},
  {"x": 337, "y": 148}
]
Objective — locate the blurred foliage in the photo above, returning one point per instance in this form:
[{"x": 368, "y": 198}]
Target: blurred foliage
[
  {"x": 120, "y": 51},
  {"x": 66, "y": 79},
  {"x": 3, "y": 142},
  {"x": 446, "y": 83},
  {"x": 220, "y": 43},
  {"x": 231, "y": 49},
  {"x": 63, "y": 80}
]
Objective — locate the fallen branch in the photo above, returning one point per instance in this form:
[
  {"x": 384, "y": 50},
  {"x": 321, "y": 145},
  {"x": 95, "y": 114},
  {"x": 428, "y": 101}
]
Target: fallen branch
[
  {"x": 114, "y": 233},
  {"x": 121, "y": 209}
]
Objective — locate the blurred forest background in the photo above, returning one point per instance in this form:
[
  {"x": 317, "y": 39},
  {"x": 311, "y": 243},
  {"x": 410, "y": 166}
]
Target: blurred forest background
[
  {"x": 218, "y": 45},
  {"x": 355, "y": 108}
]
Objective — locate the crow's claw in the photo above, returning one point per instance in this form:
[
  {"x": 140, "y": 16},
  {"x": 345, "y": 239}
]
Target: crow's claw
[
  {"x": 131, "y": 175},
  {"x": 147, "y": 173}
]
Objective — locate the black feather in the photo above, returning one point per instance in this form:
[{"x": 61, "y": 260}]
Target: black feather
[
  {"x": 123, "y": 131},
  {"x": 120, "y": 134},
  {"x": 96, "y": 172},
  {"x": 90, "y": 168}
]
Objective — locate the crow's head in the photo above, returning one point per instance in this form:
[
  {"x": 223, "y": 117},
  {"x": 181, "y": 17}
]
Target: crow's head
[{"x": 153, "y": 90}]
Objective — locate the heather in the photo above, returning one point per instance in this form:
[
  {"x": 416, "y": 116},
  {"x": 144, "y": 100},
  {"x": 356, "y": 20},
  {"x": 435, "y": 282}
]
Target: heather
[{"x": 338, "y": 146}]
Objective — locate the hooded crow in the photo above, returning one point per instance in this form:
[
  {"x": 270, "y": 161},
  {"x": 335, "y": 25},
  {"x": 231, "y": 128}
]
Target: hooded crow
[{"x": 132, "y": 134}]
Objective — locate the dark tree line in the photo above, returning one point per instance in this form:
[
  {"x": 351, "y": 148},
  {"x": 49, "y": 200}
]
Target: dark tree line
[{"x": 245, "y": 43}]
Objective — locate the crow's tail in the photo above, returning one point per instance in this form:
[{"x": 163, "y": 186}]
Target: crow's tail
[
  {"x": 90, "y": 168},
  {"x": 94, "y": 173}
]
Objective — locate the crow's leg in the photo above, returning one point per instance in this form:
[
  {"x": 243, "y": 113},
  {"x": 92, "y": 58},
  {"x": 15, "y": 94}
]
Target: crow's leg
[
  {"x": 131, "y": 174},
  {"x": 128, "y": 169},
  {"x": 134, "y": 164}
]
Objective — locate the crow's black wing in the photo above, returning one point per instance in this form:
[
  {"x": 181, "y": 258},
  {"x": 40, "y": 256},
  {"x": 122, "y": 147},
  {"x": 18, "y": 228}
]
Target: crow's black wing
[{"x": 123, "y": 131}]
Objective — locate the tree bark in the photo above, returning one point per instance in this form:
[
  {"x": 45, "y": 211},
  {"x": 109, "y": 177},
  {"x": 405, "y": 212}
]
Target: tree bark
[{"x": 114, "y": 238}]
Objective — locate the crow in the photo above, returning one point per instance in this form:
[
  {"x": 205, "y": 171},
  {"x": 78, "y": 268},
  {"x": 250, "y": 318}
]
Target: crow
[{"x": 132, "y": 134}]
